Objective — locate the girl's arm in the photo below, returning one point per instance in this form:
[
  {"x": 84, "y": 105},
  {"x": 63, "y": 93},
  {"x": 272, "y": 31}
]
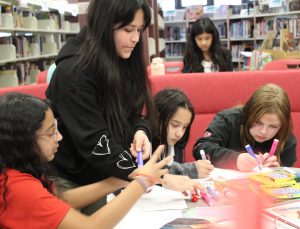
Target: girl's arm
[
  {"x": 195, "y": 170},
  {"x": 91, "y": 192},
  {"x": 181, "y": 184},
  {"x": 114, "y": 211},
  {"x": 216, "y": 140},
  {"x": 109, "y": 215}
]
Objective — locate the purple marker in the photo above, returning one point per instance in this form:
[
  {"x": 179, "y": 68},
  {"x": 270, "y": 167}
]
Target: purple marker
[
  {"x": 214, "y": 193},
  {"x": 140, "y": 161},
  {"x": 250, "y": 151}
]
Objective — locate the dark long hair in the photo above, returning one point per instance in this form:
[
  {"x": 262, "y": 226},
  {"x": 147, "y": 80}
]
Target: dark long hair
[
  {"x": 268, "y": 99},
  {"x": 193, "y": 54},
  {"x": 20, "y": 117},
  {"x": 166, "y": 103},
  {"x": 124, "y": 86}
]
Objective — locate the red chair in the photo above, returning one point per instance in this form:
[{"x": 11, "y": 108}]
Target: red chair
[
  {"x": 283, "y": 64},
  {"x": 42, "y": 77},
  {"x": 171, "y": 67}
]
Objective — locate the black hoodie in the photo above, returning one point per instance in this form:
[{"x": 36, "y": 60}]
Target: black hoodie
[{"x": 88, "y": 152}]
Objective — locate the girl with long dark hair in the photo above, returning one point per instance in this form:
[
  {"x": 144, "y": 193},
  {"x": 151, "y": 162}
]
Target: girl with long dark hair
[{"x": 204, "y": 51}]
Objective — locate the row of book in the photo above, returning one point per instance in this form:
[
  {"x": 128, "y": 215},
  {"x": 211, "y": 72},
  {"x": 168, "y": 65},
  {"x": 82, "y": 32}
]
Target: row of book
[
  {"x": 241, "y": 29},
  {"x": 32, "y": 45},
  {"x": 275, "y": 24},
  {"x": 175, "y": 49},
  {"x": 22, "y": 73}
]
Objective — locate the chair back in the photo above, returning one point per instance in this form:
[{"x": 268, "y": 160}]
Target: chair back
[
  {"x": 42, "y": 77},
  {"x": 283, "y": 64},
  {"x": 171, "y": 67}
]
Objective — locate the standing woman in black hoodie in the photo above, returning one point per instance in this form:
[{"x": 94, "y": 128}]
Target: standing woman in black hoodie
[{"x": 98, "y": 91}]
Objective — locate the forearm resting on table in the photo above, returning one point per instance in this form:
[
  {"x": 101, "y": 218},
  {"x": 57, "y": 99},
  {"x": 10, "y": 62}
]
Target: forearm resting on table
[
  {"x": 109, "y": 215},
  {"x": 91, "y": 192},
  {"x": 112, "y": 212}
]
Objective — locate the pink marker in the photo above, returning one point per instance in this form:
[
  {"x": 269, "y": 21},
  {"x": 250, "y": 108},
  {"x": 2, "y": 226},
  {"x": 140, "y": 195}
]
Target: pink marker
[
  {"x": 207, "y": 198},
  {"x": 273, "y": 148}
]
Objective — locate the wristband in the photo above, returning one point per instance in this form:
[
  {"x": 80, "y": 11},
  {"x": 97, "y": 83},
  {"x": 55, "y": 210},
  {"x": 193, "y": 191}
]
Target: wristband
[
  {"x": 144, "y": 183},
  {"x": 150, "y": 179}
]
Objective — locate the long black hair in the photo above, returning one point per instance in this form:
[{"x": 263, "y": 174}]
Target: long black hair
[
  {"x": 166, "y": 103},
  {"x": 124, "y": 85},
  {"x": 193, "y": 54},
  {"x": 20, "y": 117}
]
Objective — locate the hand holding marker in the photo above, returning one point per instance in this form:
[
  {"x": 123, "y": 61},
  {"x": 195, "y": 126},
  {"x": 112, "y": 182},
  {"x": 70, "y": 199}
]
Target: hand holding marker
[{"x": 250, "y": 151}]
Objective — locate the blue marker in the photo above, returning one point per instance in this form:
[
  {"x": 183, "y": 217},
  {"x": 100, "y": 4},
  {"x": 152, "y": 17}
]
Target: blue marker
[
  {"x": 140, "y": 161},
  {"x": 250, "y": 151}
]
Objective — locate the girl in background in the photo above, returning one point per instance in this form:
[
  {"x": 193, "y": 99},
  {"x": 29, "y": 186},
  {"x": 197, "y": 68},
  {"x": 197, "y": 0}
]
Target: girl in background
[
  {"x": 28, "y": 141},
  {"x": 204, "y": 51},
  {"x": 176, "y": 115},
  {"x": 264, "y": 117}
]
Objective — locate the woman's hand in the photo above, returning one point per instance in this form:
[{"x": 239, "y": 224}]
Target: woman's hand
[
  {"x": 152, "y": 168},
  {"x": 141, "y": 143},
  {"x": 204, "y": 167},
  {"x": 245, "y": 162},
  {"x": 181, "y": 183},
  {"x": 269, "y": 161}
]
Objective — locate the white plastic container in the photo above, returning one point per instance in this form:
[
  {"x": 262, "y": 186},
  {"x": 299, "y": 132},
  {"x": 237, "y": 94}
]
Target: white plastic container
[
  {"x": 157, "y": 66},
  {"x": 74, "y": 27},
  {"x": 49, "y": 48},
  {"x": 30, "y": 23},
  {"x": 65, "y": 26},
  {"x": 46, "y": 24},
  {"x": 8, "y": 78},
  {"x": 34, "y": 49},
  {"x": 7, "y": 52},
  {"x": 7, "y": 20}
]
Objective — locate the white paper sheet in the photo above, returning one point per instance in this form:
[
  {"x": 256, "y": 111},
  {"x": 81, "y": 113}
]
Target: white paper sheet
[
  {"x": 159, "y": 199},
  {"x": 229, "y": 174},
  {"x": 148, "y": 220},
  {"x": 154, "y": 209}
]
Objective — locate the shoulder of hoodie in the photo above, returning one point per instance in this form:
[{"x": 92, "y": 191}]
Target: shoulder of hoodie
[
  {"x": 234, "y": 113},
  {"x": 69, "y": 50}
]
